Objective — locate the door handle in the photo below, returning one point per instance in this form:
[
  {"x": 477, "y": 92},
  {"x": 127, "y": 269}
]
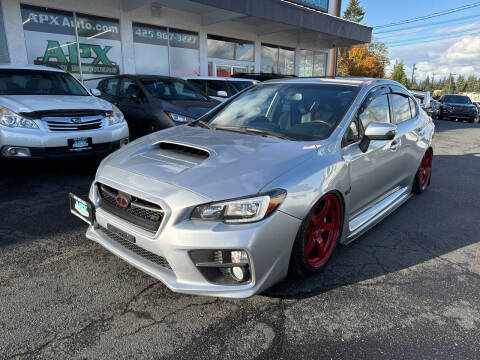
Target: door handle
[{"x": 395, "y": 145}]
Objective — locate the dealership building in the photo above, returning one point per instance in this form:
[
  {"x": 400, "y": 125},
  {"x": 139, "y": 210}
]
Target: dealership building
[{"x": 96, "y": 38}]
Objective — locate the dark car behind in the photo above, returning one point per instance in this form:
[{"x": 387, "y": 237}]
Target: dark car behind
[
  {"x": 150, "y": 102},
  {"x": 457, "y": 107},
  {"x": 261, "y": 76}
]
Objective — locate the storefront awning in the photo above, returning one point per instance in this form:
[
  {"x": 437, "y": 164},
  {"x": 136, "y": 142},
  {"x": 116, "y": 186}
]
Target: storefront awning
[{"x": 313, "y": 27}]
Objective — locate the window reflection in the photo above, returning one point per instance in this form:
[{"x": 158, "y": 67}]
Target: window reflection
[
  {"x": 231, "y": 49},
  {"x": 312, "y": 63},
  {"x": 278, "y": 60}
]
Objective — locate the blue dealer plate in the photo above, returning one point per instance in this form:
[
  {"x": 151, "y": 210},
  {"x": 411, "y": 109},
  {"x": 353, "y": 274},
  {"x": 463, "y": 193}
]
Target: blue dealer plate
[{"x": 81, "y": 208}]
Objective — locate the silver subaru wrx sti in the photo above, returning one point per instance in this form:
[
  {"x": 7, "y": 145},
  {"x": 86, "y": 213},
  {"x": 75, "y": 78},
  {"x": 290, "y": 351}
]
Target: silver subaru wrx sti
[{"x": 268, "y": 181}]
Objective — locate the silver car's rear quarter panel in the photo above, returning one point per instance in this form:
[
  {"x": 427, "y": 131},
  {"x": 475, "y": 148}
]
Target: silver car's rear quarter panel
[{"x": 268, "y": 242}]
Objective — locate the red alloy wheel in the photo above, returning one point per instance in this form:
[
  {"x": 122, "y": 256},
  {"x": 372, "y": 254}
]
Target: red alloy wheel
[
  {"x": 322, "y": 231},
  {"x": 425, "y": 170}
]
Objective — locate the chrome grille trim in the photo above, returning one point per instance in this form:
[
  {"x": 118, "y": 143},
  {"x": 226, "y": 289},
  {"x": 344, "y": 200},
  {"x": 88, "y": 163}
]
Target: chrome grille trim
[{"x": 66, "y": 124}]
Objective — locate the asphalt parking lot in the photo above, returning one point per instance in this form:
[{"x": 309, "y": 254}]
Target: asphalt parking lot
[{"x": 409, "y": 288}]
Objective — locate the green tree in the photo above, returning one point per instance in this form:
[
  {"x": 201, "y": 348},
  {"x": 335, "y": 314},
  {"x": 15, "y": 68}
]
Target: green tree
[
  {"x": 354, "y": 11},
  {"x": 398, "y": 74},
  {"x": 461, "y": 83},
  {"x": 380, "y": 51},
  {"x": 470, "y": 83}
]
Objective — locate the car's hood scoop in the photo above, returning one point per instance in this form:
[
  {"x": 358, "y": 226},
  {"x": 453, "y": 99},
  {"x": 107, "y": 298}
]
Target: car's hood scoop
[{"x": 214, "y": 163}]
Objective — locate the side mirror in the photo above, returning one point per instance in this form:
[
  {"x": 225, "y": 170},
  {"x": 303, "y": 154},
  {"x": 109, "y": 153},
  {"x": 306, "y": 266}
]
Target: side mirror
[
  {"x": 222, "y": 93},
  {"x": 95, "y": 92},
  {"x": 377, "y": 131}
]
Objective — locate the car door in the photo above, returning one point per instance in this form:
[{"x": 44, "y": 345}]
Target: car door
[
  {"x": 406, "y": 115},
  {"x": 373, "y": 174},
  {"x": 132, "y": 101},
  {"x": 109, "y": 89}
]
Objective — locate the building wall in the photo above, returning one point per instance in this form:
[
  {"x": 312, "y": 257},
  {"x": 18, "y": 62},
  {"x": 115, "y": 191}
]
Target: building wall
[{"x": 160, "y": 16}]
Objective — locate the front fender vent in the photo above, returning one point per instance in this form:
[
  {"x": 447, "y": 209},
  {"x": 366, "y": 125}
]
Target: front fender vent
[{"x": 184, "y": 149}]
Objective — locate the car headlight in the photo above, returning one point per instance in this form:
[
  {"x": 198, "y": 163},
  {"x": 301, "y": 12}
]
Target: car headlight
[
  {"x": 115, "y": 116},
  {"x": 13, "y": 120},
  {"x": 179, "y": 118},
  {"x": 240, "y": 211}
]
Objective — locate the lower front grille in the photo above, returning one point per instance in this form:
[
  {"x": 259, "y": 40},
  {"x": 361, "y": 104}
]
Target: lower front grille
[{"x": 127, "y": 244}]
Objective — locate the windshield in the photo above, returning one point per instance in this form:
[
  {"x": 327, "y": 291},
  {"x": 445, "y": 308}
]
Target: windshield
[
  {"x": 37, "y": 82},
  {"x": 298, "y": 111},
  {"x": 457, "y": 99},
  {"x": 172, "y": 89}
]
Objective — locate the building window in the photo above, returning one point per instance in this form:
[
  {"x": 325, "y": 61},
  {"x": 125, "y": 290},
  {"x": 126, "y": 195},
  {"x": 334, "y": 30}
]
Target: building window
[
  {"x": 150, "y": 42},
  {"x": 230, "y": 49},
  {"x": 278, "y": 60},
  {"x": 93, "y": 50},
  {"x": 4, "y": 57},
  {"x": 184, "y": 53},
  {"x": 153, "y": 42},
  {"x": 312, "y": 63}
]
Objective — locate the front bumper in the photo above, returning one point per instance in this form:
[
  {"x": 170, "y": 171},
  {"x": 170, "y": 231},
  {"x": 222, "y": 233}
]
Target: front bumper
[
  {"x": 268, "y": 243},
  {"x": 48, "y": 144}
]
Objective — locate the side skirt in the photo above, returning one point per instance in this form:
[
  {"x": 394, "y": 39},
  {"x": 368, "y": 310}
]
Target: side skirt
[{"x": 376, "y": 213}]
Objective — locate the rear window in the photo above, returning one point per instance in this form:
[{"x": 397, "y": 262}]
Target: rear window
[
  {"x": 457, "y": 99},
  {"x": 401, "y": 108},
  {"x": 35, "y": 82}
]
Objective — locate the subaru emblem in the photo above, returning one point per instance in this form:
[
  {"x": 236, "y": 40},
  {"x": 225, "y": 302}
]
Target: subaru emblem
[{"x": 75, "y": 120}]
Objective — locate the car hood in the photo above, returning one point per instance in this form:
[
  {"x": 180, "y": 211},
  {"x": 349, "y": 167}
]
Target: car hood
[
  {"x": 31, "y": 103},
  {"x": 462, "y": 106},
  {"x": 190, "y": 108},
  {"x": 232, "y": 165}
]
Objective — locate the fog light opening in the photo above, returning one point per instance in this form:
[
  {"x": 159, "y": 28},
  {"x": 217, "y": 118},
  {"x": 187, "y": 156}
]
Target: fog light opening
[{"x": 15, "y": 151}]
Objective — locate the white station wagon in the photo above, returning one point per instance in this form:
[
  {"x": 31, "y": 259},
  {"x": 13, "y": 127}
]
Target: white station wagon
[{"x": 46, "y": 113}]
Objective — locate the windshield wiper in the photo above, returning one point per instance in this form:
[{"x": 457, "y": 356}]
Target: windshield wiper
[
  {"x": 201, "y": 123},
  {"x": 246, "y": 130},
  {"x": 269, "y": 133}
]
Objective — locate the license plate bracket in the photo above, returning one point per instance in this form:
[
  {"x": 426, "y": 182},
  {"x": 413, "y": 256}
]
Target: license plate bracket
[
  {"x": 82, "y": 208},
  {"x": 80, "y": 144}
]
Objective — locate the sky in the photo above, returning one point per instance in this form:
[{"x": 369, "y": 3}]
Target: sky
[{"x": 438, "y": 46}]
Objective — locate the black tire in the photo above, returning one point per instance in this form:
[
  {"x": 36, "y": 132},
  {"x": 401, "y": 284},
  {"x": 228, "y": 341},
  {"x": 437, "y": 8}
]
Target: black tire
[{"x": 298, "y": 262}]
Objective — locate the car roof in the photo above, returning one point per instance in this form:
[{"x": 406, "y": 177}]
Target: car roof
[
  {"x": 335, "y": 80},
  {"x": 30, "y": 67},
  {"x": 216, "y": 78}
]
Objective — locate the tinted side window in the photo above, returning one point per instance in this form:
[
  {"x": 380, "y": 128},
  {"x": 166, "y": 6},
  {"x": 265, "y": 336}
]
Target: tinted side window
[
  {"x": 129, "y": 88},
  {"x": 401, "y": 108},
  {"x": 216, "y": 85},
  {"x": 109, "y": 87},
  {"x": 376, "y": 109},
  {"x": 201, "y": 84}
]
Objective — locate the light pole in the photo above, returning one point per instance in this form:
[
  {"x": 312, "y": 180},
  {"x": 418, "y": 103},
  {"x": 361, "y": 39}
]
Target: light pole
[{"x": 450, "y": 84}]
